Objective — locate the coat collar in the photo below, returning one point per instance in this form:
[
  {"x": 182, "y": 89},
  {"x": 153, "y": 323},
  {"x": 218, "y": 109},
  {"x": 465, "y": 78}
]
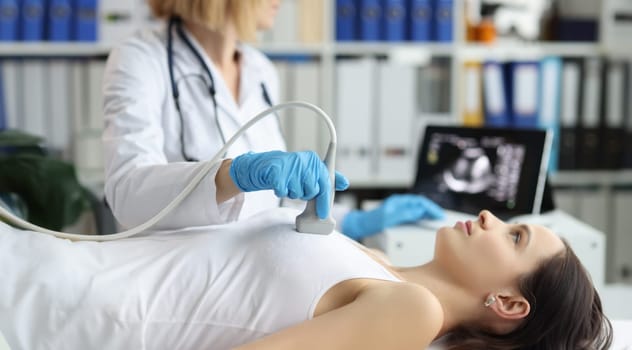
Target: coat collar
[{"x": 251, "y": 75}]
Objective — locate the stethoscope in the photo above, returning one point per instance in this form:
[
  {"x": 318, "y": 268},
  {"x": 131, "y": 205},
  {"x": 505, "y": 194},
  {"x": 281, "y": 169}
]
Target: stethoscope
[{"x": 177, "y": 23}]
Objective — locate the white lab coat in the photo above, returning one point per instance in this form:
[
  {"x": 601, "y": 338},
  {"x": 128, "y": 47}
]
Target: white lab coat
[{"x": 144, "y": 165}]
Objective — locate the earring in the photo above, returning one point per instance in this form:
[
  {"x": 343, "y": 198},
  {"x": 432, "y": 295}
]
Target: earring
[{"x": 491, "y": 300}]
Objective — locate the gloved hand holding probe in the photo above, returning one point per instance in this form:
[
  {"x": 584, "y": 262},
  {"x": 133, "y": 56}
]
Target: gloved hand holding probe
[
  {"x": 396, "y": 209},
  {"x": 296, "y": 175}
]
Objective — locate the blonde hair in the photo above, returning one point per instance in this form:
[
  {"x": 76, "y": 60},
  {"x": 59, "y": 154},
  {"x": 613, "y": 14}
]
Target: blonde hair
[{"x": 213, "y": 13}]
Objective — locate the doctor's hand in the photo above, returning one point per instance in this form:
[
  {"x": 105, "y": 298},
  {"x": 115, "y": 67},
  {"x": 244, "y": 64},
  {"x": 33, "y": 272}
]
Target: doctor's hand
[
  {"x": 395, "y": 210},
  {"x": 297, "y": 175}
]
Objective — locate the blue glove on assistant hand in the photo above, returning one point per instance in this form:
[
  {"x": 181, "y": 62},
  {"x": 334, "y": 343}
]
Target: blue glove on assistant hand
[
  {"x": 395, "y": 210},
  {"x": 297, "y": 175}
]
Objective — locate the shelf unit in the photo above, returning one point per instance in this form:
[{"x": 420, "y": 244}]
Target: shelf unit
[{"x": 329, "y": 49}]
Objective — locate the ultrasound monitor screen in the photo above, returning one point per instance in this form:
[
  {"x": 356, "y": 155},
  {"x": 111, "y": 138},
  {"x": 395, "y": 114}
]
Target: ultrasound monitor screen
[{"x": 469, "y": 169}]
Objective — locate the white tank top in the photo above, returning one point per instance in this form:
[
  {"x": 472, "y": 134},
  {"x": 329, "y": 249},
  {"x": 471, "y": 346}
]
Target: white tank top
[{"x": 212, "y": 287}]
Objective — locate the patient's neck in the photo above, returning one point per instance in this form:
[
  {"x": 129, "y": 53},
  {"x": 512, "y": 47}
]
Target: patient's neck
[{"x": 460, "y": 307}]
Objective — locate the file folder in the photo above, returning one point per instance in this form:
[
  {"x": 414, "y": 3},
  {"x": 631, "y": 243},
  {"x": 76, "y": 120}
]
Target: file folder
[
  {"x": 370, "y": 20},
  {"x": 444, "y": 19},
  {"x": 472, "y": 95},
  {"x": 549, "y": 104},
  {"x": 355, "y": 123},
  {"x": 58, "y": 20},
  {"x": 396, "y": 83},
  {"x": 394, "y": 20},
  {"x": 84, "y": 27},
  {"x": 572, "y": 71},
  {"x": 590, "y": 120},
  {"x": 34, "y": 108},
  {"x": 420, "y": 16},
  {"x": 12, "y": 83},
  {"x": 3, "y": 112},
  {"x": 32, "y": 20},
  {"x": 9, "y": 14},
  {"x": 346, "y": 20},
  {"x": 59, "y": 106},
  {"x": 614, "y": 104},
  {"x": 522, "y": 83},
  {"x": 496, "y": 105}
]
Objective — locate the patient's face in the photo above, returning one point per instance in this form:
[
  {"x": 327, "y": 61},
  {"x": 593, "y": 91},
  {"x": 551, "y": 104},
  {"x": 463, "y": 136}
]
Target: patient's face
[{"x": 489, "y": 254}]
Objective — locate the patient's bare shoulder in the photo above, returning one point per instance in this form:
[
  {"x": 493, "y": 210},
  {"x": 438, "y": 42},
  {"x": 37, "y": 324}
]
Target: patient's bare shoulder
[
  {"x": 384, "y": 315},
  {"x": 412, "y": 309}
]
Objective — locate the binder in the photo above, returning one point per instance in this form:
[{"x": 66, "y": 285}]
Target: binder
[
  {"x": 434, "y": 88},
  {"x": 444, "y": 19},
  {"x": 95, "y": 73},
  {"x": 33, "y": 97},
  {"x": 590, "y": 118},
  {"x": 627, "y": 142},
  {"x": 9, "y": 19},
  {"x": 523, "y": 89},
  {"x": 59, "y": 20},
  {"x": 310, "y": 20},
  {"x": 394, "y": 20},
  {"x": 615, "y": 109},
  {"x": 32, "y": 20},
  {"x": 496, "y": 105},
  {"x": 572, "y": 73},
  {"x": 84, "y": 25},
  {"x": 472, "y": 94},
  {"x": 3, "y": 117},
  {"x": 308, "y": 132},
  {"x": 59, "y": 110},
  {"x": 371, "y": 13},
  {"x": 549, "y": 104},
  {"x": 12, "y": 79},
  {"x": 346, "y": 20},
  {"x": 420, "y": 16},
  {"x": 395, "y": 123},
  {"x": 355, "y": 106}
]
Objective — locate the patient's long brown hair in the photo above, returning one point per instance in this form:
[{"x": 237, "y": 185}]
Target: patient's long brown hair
[{"x": 566, "y": 313}]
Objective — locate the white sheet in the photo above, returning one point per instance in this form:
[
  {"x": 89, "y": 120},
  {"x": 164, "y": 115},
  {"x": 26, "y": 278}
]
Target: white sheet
[{"x": 31, "y": 254}]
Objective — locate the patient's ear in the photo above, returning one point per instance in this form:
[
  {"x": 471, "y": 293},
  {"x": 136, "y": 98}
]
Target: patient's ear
[{"x": 510, "y": 306}]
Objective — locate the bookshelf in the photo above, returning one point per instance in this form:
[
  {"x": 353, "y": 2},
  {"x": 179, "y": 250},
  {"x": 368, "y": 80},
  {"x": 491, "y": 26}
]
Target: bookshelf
[{"x": 48, "y": 49}]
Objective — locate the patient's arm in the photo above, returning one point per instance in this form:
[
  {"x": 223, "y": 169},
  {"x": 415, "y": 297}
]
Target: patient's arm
[{"x": 384, "y": 316}]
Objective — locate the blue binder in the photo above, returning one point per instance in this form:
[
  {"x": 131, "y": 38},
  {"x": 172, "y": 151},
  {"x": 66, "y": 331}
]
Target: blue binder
[
  {"x": 420, "y": 20},
  {"x": 444, "y": 20},
  {"x": 346, "y": 20},
  {"x": 394, "y": 20},
  {"x": 549, "y": 104},
  {"x": 522, "y": 85},
  {"x": 371, "y": 13},
  {"x": 58, "y": 20},
  {"x": 84, "y": 26},
  {"x": 32, "y": 20},
  {"x": 9, "y": 14},
  {"x": 495, "y": 95}
]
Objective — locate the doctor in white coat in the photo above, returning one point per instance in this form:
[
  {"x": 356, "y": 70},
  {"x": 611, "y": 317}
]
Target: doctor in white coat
[{"x": 173, "y": 96}]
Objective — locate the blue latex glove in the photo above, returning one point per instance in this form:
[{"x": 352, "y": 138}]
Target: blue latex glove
[
  {"x": 395, "y": 210},
  {"x": 297, "y": 175}
]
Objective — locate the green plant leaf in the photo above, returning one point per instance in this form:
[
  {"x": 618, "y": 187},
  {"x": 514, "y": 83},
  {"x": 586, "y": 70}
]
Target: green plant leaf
[
  {"x": 48, "y": 186},
  {"x": 16, "y": 141}
]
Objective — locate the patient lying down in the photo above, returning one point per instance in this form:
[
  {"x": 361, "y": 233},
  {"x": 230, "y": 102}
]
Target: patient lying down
[{"x": 258, "y": 284}]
